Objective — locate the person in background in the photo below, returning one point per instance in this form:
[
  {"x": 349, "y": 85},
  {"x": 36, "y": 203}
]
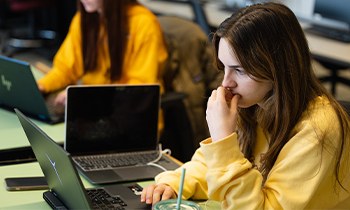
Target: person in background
[
  {"x": 109, "y": 42},
  {"x": 279, "y": 139}
]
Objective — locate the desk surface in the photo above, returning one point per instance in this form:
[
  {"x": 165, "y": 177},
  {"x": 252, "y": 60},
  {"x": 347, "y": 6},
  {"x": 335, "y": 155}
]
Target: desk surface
[
  {"x": 34, "y": 199},
  {"x": 328, "y": 48},
  {"x": 28, "y": 199},
  {"x": 12, "y": 134}
]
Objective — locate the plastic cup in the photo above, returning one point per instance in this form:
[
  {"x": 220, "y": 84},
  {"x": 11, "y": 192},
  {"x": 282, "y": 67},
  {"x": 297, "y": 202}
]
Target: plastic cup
[{"x": 171, "y": 204}]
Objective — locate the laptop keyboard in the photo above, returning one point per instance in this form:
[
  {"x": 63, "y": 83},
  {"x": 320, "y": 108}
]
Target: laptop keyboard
[
  {"x": 110, "y": 161},
  {"x": 55, "y": 111},
  {"x": 339, "y": 35},
  {"x": 100, "y": 199}
]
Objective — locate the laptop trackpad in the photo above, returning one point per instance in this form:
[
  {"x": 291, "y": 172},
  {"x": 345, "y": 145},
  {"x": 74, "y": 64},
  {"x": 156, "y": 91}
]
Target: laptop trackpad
[
  {"x": 101, "y": 176},
  {"x": 141, "y": 172}
]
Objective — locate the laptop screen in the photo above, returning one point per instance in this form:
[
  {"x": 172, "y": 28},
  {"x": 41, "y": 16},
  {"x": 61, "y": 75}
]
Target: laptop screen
[
  {"x": 18, "y": 89},
  {"x": 57, "y": 166},
  {"x": 111, "y": 118},
  {"x": 336, "y": 9}
]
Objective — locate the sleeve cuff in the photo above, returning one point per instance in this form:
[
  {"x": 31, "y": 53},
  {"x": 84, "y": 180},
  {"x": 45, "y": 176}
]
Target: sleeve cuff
[{"x": 222, "y": 153}]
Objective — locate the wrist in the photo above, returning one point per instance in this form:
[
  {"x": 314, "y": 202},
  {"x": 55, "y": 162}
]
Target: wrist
[
  {"x": 41, "y": 88},
  {"x": 221, "y": 136}
]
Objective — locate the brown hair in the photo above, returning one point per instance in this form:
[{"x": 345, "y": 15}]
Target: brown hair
[
  {"x": 115, "y": 21},
  {"x": 270, "y": 45}
]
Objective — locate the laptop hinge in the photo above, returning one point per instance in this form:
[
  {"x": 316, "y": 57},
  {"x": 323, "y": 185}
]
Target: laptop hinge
[{"x": 53, "y": 201}]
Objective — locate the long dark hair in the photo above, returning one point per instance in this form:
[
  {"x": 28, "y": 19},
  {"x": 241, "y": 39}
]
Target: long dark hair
[
  {"x": 115, "y": 21},
  {"x": 270, "y": 45}
]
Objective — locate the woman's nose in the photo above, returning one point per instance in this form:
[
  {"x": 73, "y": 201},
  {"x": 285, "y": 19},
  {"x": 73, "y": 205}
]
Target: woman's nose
[{"x": 229, "y": 82}]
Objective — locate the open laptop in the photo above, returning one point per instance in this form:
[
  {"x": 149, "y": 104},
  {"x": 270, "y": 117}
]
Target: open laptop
[
  {"x": 66, "y": 188},
  {"x": 18, "y": 89},
  {"x": 112, "y": 132}
]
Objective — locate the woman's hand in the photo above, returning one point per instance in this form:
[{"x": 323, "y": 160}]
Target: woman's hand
[
  {"x": 154, "y": 193},
  {"x": 41, "y": 87},
  {"x": 221, "y": 117},
  {"x": 60, "y": 99}
]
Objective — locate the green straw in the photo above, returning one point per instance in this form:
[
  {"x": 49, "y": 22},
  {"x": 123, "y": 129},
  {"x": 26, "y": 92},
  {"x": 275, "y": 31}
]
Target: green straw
[{"x": 180, "y": 189}]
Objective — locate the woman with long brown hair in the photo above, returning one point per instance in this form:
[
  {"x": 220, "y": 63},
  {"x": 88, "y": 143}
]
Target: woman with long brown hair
[
  {"x": 279, "y": 139},
  {"x": 109, "y": 42}
]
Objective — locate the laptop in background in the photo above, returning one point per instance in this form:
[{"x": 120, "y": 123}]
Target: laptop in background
[
  {"x": 112, "y": 132},
  {"x": 18, "y": 89},
  {"x": 66, "y": 188},
  {"x": 330, "y": 19}
]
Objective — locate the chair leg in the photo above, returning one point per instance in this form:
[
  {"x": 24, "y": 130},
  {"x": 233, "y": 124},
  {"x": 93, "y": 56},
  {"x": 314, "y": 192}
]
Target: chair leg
[{"x": 334, "y": 79}]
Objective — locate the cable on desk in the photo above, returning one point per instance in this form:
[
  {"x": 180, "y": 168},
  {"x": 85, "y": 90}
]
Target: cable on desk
[
  {"x": 167, "y": 151},
  {"x": 157, "y": 165},
  {"x": 161, "y": 152}
]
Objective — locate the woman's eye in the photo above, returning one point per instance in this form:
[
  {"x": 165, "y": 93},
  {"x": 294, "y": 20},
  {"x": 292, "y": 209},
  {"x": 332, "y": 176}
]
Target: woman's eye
[{"x": 239, "y": 71}]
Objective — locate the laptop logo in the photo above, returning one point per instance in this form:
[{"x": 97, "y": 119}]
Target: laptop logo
[
  {"x": 53, "y": 164},
  {"x": 6, "y": 83}
]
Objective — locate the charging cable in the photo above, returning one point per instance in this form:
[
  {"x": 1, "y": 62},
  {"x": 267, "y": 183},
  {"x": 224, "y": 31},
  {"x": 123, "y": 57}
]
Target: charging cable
[{"x": 161, "y": 152}]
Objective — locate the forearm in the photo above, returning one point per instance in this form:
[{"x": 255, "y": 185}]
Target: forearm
[{"x": 55, "y": 80}]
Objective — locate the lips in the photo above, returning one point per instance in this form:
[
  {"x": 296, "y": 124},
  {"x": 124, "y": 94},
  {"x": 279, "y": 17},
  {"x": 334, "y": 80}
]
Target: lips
[{"x": 228, "y": 95}]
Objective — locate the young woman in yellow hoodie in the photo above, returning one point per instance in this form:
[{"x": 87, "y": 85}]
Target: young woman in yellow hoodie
[
  {"x": 109, "y": 42},
  {"x": 279, "y": 139}
]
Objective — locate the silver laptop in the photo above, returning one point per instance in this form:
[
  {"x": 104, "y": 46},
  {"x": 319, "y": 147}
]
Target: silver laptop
[
  {"x": 112, "y": 132},
  {"x": 18, "y": 89},
  {"x": 66, "y": 188}
]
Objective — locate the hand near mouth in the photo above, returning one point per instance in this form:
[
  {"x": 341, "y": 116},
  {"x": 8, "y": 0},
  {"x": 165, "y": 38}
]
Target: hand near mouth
[
  {"x": 228, "y": 95},
  {"x": 222, "y": 119}
]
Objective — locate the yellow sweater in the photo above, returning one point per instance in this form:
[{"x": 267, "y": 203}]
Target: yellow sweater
[
  {"x": 301, "y": 178},
  {"x": 143, "y": 62},
  {"x": 145, "y": 54}
]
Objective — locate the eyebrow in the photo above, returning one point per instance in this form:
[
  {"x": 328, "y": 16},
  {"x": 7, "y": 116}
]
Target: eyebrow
[{"x": 235, "y": 66}]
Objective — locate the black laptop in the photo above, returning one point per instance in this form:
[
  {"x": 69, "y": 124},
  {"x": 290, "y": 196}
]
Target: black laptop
[
  {"x": 112, "y": 132},
  {"x": 18, "y": 89},
  {"x": 66, "y": 188}
]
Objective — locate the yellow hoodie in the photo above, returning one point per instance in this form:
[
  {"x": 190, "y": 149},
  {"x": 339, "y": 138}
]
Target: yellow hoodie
[
  {"x": 143, "y": 62},
  {"x": 145, "y": 54},
  {"x": 301, "y": 178}
]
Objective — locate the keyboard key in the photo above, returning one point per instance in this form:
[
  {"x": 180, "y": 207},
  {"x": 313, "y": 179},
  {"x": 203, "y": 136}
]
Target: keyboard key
[{"x": 100, "y": 199}]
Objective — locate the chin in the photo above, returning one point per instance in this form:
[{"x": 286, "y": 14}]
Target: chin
[
  {"x": 90, "y": 10},
  {"x": 243, "y": 105}
]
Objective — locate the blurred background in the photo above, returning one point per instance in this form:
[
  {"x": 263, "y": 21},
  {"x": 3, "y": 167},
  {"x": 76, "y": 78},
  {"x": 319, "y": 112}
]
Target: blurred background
[{"x": 49, "y": 20}]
